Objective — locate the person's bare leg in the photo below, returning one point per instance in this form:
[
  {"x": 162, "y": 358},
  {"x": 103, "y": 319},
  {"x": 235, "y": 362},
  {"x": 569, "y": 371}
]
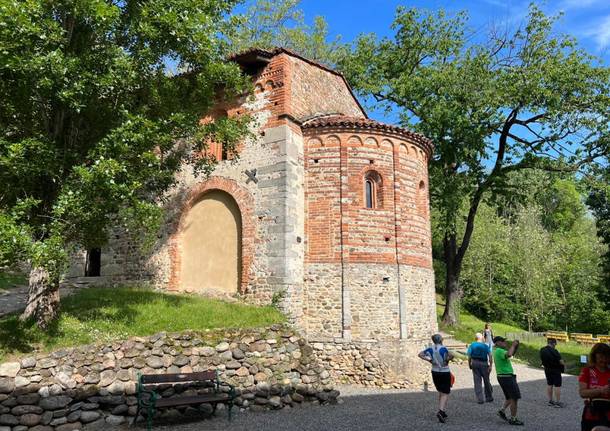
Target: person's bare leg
[
  {"x": 549, "y": 392},
  {"x": 513, "y": 408},
  {"x": 557, "y": 394},
  {"x": 506, "y": 404},
  {"x": 442, "y": 401}
]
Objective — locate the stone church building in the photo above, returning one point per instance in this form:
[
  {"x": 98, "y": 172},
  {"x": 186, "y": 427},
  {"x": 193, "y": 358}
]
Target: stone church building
[{"x": 324, "y": 210}]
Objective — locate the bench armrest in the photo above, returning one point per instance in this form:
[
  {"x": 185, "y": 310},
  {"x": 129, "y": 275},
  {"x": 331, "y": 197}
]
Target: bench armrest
[{"x": 141, "y": 393}]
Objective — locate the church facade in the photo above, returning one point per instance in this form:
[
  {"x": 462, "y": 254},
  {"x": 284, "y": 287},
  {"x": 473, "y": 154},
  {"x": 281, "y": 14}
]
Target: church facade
[{"x": 325, "y": 212}]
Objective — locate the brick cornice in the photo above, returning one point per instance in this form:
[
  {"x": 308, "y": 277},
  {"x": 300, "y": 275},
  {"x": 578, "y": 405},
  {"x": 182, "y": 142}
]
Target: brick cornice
[{"x": 341, "y": 123}]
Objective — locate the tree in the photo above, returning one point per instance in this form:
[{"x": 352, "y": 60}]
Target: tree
[
  {"x": 533, "y": 264},
  {"x": 562, "y": 205},
  {"x": 522, "y": 269},
  {"x": 95, "y": 121},
  {"x": 271, "y": 23},
  {"x": 598, "y": 200},
  {"x": 518, "y": 100}
]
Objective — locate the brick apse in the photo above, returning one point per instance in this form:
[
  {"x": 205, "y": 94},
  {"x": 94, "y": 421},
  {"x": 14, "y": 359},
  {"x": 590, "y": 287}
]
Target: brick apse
[{"x": 325, "y": 211}]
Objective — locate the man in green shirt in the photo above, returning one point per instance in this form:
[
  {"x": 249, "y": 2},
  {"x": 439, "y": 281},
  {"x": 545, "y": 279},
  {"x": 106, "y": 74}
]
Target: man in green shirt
[{"x": 507, "y": 378}]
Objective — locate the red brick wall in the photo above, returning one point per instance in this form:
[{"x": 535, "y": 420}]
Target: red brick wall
[
  {"x": 314, "y": 91},
  {"x": 336, "y": 211},
  {"x": 300, "y": 89}
]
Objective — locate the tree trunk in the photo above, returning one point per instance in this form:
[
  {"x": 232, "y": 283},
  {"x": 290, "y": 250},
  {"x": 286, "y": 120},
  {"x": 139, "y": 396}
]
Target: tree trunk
[
  {"x": 452, "y": 297},
  {"x": 452, "y": 284},
  {"x": 43, "y": 298}
]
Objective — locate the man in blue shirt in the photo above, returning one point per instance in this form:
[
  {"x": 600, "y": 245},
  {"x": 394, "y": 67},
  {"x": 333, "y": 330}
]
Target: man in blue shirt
[{"x": 480, "y": 362}]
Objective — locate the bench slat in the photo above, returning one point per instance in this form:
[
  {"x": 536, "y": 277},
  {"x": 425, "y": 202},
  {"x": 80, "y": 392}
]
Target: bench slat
[
  {"x": 198, "y": 399},
  {"x": 176, "y": 378}
]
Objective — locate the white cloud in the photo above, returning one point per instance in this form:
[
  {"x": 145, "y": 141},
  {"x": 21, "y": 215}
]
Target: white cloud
[
  {"x": 580, "y": 4},
  {"x": 498, "y": 3},
  {"x": 600, "y": 32}
]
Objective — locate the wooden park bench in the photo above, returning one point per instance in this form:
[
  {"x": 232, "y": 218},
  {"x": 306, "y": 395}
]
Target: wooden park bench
[
  {"x": 558, "y": 335},
  {"x": 209, "y": 390},
  {"x": 583, "y": 338}
]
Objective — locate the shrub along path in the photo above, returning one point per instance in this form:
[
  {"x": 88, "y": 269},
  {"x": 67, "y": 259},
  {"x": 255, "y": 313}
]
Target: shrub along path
[{"x": 103, "y": 314}]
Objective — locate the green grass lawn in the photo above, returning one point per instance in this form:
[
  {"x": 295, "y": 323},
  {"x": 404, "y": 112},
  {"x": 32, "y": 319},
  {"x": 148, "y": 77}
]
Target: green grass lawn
[
  {"x": 105, "y": 314},
  {"x": 529, "y": 350},
  {"x": 8, "y": 280}
]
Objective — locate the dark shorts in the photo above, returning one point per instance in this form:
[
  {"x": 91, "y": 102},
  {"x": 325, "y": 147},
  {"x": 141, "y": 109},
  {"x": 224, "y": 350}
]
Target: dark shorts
[
  {"x": 509, "y": 386},
  {"x": 553, "y": 377},
  {"x": 442, "y": 381}
]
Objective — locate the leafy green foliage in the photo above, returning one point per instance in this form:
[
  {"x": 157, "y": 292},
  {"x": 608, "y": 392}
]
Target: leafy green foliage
[
  {"x": 521, "y": 269},
  {"x": 598, "y": 200},
  {"x": 525, "y": 99},
  {"x": 100, "y": 104},
  {"x": 102, "y": 315},
  {"x": 270, "y": 23}
]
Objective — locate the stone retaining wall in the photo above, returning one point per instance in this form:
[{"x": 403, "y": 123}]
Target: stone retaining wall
[
  {"x": 93, "y": 387},
  {"x": 384, "y": 364}
]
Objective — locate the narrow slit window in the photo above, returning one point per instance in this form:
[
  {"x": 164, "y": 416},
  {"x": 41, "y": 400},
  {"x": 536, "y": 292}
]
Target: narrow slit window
[
  {"x": 373, "y": 190},
  {"x": 369, "y": 191}
]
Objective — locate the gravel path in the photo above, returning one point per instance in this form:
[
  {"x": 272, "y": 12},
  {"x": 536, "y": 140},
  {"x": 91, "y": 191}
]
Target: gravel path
[
  {"x": 373, "y": 409},
  {"x": 14, "y": 300}
]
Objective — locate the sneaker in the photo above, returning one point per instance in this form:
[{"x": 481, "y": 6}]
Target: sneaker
[
  {"x": 443, "y": 413},
  {"x": 480, "y": 402},
  {"x": 515, "y": 421},
  {"x": 551, "y": 403},
  {"x": 491, "y": 400},
  {"x": 502, "y": 415},
  {"x": 442, "y": 416},
  {"x": 558, "y": 404}
]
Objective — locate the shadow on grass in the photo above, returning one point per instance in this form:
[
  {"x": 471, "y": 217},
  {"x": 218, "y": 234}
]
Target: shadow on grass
[
  {"x": 106, "y": 314},
  {"x": 10, "y": 280},
  {"x": 119, "y": 307}
]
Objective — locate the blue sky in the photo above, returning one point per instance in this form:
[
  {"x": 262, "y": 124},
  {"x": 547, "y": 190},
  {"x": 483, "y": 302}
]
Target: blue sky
[{"x": 587, "y": 20}]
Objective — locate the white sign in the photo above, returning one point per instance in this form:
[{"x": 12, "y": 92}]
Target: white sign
[{"x": 583, "y": 359}]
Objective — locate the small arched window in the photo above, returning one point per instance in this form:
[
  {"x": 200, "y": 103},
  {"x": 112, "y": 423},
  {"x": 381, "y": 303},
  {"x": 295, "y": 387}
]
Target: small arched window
[{"x": 373, "y": 190}]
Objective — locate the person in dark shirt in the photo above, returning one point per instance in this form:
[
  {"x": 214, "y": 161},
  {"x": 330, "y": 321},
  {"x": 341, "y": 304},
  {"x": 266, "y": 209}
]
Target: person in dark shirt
[{"x": 553, "y": 367}]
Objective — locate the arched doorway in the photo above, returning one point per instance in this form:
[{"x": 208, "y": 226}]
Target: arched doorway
[{"x": 211, "y": 245}]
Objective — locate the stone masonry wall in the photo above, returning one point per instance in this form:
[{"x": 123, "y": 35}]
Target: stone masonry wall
[
  {"x": 373, "y": 301},
  {"x": 94, "y": 386},
  {"x": 389, "y": 364},
  {"x": 271, "y": 207},
  {"x": 420, "y": 311}
]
